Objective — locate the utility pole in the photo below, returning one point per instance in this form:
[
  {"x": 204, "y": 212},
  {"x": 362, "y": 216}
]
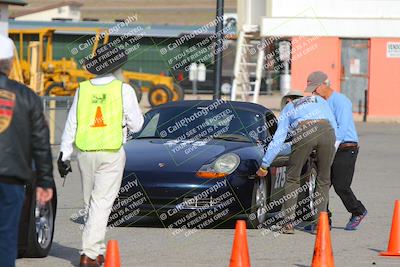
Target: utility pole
[{"x": 219, "y": 42}]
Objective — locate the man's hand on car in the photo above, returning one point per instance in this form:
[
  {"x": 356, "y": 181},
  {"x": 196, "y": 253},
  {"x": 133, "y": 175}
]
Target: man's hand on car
[
  {"x": 262, "y": 172},
  {"x": 64, "y": 167},
  {"x": 43, "y": 195}
]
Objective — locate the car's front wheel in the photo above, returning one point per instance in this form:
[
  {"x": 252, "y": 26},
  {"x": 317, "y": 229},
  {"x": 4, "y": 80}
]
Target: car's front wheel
[
  {"x": 41, "y": 228},
  {"x": 258, "y": 213}
]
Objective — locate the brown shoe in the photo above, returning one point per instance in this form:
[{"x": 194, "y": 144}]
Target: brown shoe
[
  {"x": 100, "y": 259},
  {"x": 88, "y": 262},
  {"x": 288, "y": 229}
]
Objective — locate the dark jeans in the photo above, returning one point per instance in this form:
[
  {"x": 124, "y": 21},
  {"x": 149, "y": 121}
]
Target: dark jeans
[
  {"x": 318, "y": 136},
  {"x": 11, "y": 202},
  {"x": 342, "y": 176}
]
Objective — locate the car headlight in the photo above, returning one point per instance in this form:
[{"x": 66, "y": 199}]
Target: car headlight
[{"x": 221, "y": 167}]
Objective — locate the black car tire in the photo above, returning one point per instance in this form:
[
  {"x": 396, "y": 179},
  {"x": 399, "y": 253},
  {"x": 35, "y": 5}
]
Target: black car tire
[
  {"x": 159, "y": 94},
  {"x": 259, "y": 200},
  {"x": 52, "y": 86},
  {"x": 33, "y": 248},
  {"x": 257, "y": 218}
]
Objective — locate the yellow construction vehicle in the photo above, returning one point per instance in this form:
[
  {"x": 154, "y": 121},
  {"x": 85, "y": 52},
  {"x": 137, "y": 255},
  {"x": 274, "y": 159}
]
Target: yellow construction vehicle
[{"x": 61, "y": 77}]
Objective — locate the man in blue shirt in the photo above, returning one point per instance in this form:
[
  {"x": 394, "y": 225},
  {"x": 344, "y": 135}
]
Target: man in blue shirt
[
  {"x": 311, "y": 124},
  {"x": 345, "y": 159}
]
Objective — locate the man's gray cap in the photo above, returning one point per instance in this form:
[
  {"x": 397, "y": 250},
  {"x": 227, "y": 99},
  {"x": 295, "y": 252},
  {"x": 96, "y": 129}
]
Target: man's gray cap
[{"x": 314, "y": 80}]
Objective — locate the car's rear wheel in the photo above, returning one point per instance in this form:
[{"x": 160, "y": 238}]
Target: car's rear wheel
[
  {"x": 41, "y": 228},
  {"x": 258, "y": 213}
]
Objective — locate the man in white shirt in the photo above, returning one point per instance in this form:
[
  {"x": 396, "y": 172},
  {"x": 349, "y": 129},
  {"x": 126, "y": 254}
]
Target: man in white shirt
[{"x": 102, "y": 110}]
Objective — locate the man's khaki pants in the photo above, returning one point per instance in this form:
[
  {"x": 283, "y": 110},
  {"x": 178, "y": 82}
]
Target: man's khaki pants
[
  {"x": 101, "y": 180},
  {"x": 310, "y": 135}
]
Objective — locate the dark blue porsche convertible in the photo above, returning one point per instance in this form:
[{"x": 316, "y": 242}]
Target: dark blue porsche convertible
[{"x": 193, "y": 166}]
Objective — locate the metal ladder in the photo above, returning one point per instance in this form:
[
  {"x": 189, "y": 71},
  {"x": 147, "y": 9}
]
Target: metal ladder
[{"x": 247, "y": 66}]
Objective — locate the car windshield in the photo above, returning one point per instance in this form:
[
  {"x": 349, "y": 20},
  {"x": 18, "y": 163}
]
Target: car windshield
[{"x": 188, "y": 123}]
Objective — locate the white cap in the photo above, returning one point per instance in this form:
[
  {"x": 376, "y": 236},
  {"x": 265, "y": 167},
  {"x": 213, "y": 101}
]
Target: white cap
[{"x": 7, "y": 48}]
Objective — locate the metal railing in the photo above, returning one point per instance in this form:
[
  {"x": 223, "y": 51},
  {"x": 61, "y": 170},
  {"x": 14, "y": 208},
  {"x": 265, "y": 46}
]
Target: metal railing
[{"x": 56, "y": 111}]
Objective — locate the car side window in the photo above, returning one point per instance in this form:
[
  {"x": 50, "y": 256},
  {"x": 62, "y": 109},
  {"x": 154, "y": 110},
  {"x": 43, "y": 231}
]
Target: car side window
[
  {"x": 271, "y": 122},
  {"x": 151, "y": 127}
]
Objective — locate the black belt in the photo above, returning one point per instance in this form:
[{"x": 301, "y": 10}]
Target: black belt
[
  {"x": 312, "y": 121},
  {"x": 12, "y": 180},
  {"x": 348, "y": 145}
]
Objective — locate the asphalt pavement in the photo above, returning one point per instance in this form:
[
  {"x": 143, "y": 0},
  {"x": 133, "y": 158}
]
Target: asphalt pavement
[{"x": 376, "y": 184}]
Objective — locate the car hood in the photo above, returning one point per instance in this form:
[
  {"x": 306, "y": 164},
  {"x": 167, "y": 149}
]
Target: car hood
[{"x": 153, "y": 154}]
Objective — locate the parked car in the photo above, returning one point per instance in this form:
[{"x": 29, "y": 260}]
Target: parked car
[
  {"x": 36, "y": 229},
  {"x": 200, "y": 157}
]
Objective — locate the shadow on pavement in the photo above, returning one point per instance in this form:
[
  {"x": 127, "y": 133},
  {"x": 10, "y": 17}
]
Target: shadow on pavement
[
  {"x": 66, "y": 253},
  {"x": 78, "y": 220},
  {"x": 376, "y": 250},
  {"x": 338, "y": 227},
  {"x": 154, "y": 222}
]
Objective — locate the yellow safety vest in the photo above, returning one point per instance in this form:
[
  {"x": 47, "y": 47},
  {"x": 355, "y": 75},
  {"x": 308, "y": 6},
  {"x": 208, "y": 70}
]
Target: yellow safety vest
[{"x": 99, "y": 116}]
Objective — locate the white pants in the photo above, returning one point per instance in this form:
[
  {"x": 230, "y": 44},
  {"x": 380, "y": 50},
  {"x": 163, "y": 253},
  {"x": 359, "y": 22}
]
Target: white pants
[{"x": 101, "y": 180}]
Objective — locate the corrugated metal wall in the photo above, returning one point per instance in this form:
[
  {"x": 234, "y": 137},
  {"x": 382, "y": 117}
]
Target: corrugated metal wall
[{"x": 146, "y": 58}]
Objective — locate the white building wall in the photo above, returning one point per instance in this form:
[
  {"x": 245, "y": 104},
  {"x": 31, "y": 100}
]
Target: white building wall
[
  {"x": 250, "y": 12},
  {"x": 3, "y": 19},
  {"x": 336, "y": 8},
  {"x": 350, "y": 28},
  {"x": 343, "y": 18},
  {"x": 65, "y": 12}
]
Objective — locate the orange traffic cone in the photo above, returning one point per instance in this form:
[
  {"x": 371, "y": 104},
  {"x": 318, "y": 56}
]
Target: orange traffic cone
[
  {"x": 240, "y": 250},
  {"x": 98, "y": 120},
  {"x": 112, "y": 254},
  {"x": 323, "y": 255},
  {"x": 394, "y": 241}
]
